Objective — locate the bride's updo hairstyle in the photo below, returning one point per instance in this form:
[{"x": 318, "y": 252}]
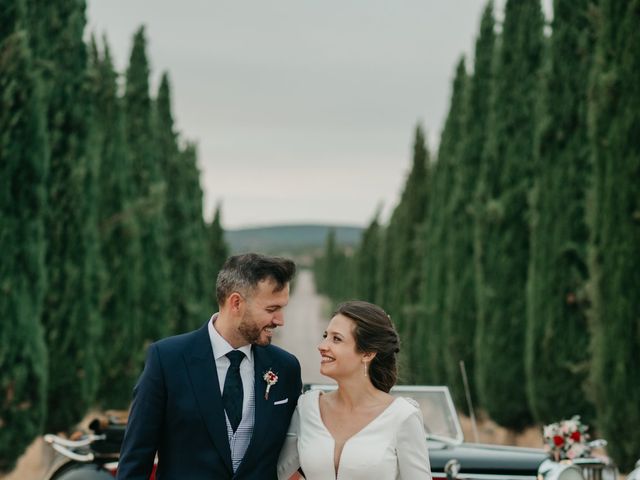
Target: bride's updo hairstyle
[{"x": 374, "y": 332}]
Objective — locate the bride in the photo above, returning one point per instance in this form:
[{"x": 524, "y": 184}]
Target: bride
[{"x": 358, "y": 431}]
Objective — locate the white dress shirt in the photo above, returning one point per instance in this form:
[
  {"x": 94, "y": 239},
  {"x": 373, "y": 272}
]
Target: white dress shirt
[
  {"x": 392, "y": 446},
  {"x": 238, "y": 441}
]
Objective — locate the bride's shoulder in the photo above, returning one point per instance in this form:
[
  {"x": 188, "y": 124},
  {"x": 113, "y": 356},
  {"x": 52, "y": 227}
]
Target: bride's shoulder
[
  {"x": 411, "y": 402},
  {"x": 309, "y": 398},
  {"x": 407, "y": 406}
]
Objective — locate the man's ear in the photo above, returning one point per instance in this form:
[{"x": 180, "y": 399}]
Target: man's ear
[{"x": 234, "y": 301}]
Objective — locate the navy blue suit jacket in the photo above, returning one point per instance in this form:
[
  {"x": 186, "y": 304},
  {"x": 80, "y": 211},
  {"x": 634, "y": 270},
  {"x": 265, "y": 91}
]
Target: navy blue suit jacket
[{"x": 177, "y": 412}]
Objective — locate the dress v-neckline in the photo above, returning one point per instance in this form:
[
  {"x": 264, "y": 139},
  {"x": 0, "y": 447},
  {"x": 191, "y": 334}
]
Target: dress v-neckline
[{"x": 328, "y": 432}]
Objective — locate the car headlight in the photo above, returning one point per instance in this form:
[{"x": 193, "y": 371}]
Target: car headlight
[
  {"x": 550, "y": 470},
  {"x": 635, "y": 474}
]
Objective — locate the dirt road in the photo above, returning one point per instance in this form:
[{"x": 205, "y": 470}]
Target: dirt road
[{"x": 306, "y": 317}]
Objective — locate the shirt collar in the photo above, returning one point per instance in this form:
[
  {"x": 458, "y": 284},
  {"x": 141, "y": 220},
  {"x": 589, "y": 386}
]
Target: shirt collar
[{"x": 221, "y": 347}]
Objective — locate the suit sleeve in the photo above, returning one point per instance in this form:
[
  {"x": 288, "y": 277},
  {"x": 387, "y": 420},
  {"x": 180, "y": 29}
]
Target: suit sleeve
[
  {"x": 411, "y": 448},
  {"x": 298, "y": 377},
  {"x": 288, "y": 462},
  {"x": 146, "y": 417}
]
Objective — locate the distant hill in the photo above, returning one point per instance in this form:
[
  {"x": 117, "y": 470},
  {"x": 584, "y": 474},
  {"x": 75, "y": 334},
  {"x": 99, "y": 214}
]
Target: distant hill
[{"x": 289, "y": 239}]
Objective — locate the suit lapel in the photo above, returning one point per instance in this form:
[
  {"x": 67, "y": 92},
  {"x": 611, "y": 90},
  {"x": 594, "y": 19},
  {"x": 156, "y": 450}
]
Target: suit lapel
[{"x": 204, "y": 382}]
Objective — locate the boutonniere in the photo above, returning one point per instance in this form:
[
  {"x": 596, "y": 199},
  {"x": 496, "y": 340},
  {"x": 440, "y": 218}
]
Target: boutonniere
[{"x": 271, "y": 379}]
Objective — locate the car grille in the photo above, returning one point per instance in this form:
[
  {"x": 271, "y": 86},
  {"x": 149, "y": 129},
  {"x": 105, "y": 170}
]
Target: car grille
[{"x": 597, "y": 470}]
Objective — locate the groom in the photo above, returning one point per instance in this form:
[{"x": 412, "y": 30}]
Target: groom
[{"x": 215, "y": 403}]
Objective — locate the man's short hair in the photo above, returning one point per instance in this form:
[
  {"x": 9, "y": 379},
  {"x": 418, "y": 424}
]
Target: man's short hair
[{"x": 242, "y": 273}]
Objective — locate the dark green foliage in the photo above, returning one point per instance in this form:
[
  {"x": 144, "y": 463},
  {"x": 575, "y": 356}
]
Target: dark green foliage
[
  {"x": 460, "y": 303},
  {"x": 13, "y": 18},
  {"x": 71, "y": 321},
  {"x": 503, "y": 246},
  {"x": 408, "y": 214},
  {"x": 179, "y": 230},
  {"x": 383, "y": 288},
  {"x": 366, "y": 261},
  {"x": 149, "y": 193},
  {"x": 23, "y": 170},
  {"x": 119, "y": 353},
  {"x": 403, "y": 278},
  {"x": 333, "y": 271},
  {"x": 217, "y": 253},
  {"x": 194, "y": 273},
  {"x": 557, "y": 339},
  {"x": 200, "y": 265},
  {"x": 614, "y": 217},
  {"x": 438, "y": 230}
]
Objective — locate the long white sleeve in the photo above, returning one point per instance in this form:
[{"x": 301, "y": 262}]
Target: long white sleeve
[
  {"x": 289, "y": 461},
  {"x": 411, "y": 449}
]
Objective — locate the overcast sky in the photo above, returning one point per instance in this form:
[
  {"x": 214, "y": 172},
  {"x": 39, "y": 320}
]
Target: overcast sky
[{"x": 303, "y": 111}]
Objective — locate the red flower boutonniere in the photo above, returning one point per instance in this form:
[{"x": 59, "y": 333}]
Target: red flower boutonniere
[{"x": 271, "y": 379}]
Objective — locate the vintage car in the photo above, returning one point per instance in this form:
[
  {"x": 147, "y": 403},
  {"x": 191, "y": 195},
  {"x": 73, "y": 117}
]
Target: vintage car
[{"x": 451, "y": 457}]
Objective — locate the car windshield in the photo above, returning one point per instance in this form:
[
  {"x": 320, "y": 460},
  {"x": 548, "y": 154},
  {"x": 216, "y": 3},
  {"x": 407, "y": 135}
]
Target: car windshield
[{"x": 440, "y": 417}]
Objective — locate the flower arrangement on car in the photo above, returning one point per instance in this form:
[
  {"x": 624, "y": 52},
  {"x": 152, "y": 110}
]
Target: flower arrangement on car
[{"x": 567, "y": 439}]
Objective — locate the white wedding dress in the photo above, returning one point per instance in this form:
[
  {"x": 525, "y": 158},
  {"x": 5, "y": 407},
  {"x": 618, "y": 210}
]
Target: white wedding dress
[{"x": 392, "y": 446}]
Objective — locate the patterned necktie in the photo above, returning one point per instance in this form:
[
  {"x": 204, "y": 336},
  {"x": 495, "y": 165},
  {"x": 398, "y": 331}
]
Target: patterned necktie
[{"x": 232, "y": 394}]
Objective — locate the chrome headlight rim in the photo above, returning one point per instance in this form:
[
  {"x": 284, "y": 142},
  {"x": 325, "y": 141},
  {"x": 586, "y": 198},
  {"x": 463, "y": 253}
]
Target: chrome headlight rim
[{"x": 563, "y": 470}]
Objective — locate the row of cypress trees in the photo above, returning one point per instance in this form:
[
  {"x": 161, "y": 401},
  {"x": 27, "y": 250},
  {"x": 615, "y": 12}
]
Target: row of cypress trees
[
  {"x": 515, "y": 249},
  {"x": 104, "y": 246}
]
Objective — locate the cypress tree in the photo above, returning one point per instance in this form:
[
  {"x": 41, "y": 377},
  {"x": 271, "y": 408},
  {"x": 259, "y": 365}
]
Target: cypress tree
[
  {"x": 149, "y": 194},
  {"x": 70, "y": 318},
  {"x": 383, "y": 288},
  {"x": 195, "y": 270},
  {"x": 23, "y": 171},
  {"x": 217, "y": 253},
  {"x": 557, "y": 340},
  {"x": 460, "y": 302},
  {"x": 333, "y": 271},
  {"x": 179, "y": 234},
  {"x": 504, "y": 241},
  {"x": 407, "y": 217},
  {"x": 437, "y": 230},
  {"x": 366, "y": 262},
  {"x": 403, "y": 276},
  {"x": 614, "y": 218},
  {"x": 201, "y": 264},
  {"x": 120, "y": 356}
]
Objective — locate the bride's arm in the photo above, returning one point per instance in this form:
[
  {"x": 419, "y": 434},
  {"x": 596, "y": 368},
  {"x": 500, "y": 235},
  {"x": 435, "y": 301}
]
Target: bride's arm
[
  {"x": 289, "y": 462},
  {"x": 413, "y": 456}
]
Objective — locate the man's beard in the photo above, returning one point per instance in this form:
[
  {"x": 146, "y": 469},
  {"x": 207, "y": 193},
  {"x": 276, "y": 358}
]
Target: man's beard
[{"x": 251, "y": 332}]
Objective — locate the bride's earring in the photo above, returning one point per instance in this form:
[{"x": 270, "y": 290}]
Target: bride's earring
[{"x": 365, "y": 369}]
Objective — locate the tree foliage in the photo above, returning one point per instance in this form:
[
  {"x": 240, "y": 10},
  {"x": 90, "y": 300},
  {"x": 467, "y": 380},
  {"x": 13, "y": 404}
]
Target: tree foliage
[
  {"x": 614, "y": 218},
  {"x": 504, "y": 238},
  {"x": 71, "y": 315},
  {"x": 149, "y": 187},
  {"x": 460, "y": 309},
  {"x": 556, "y": 297},
  {"x": 120, "y": 248},
  {"x": 217, "y": 253},
  {"x": 23, "y": 174}
]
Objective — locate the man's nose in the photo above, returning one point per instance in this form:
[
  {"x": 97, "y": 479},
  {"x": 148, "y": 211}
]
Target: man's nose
[{"x": 278, "y": 319}]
